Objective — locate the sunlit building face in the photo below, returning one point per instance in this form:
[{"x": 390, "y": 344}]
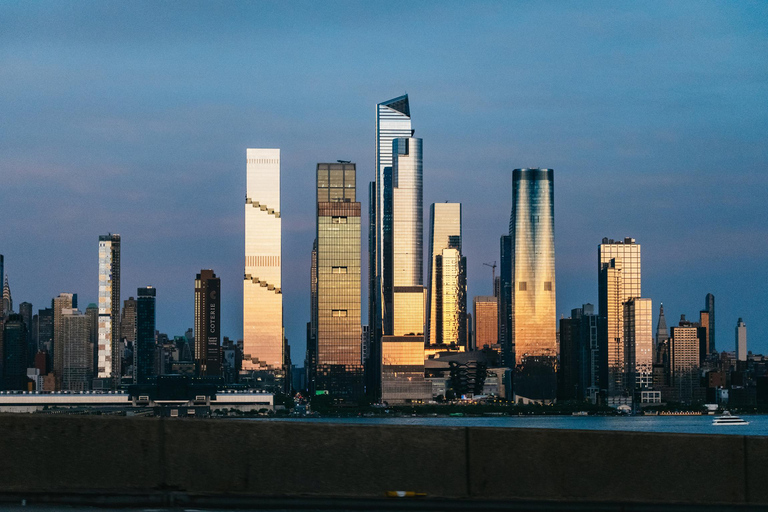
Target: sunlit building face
[
  {"x": 339, "y": 367},
  {"x": 109, "y": 307},
  {"x": 638, "y": 331},
  {"x": 262, "y": 286},
  {"x": 532, "y": 230}
]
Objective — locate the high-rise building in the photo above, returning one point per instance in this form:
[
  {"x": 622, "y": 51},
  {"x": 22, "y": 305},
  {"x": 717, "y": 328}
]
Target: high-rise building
[
  {"x": 579, "y": 371},
  {"x": 373, "y": 361},
  {"x": 92, "y": 313},
  {"x": 45, "y": 328},
  {"x": 618, "y": 264},
  {"x": 638, "y": 332},
  {"x": 662, "y": 334},
  {"x": 486, "y": 322},
  {"x": 684, "y": 360},
  {"x": 25, "y": 310},
  {"x": 7, "y": 299},
  {"x": 741, "y": 340},
  {"x": 505, "y": 301},
  {"x": 393, "y": 120},
  {"x": 144, "y": 353},
  {"x": 14, "y": 353},
  {"x": 65, "y": 301},
  {"x": 339, "y": 369},
  {"x": 110, "y": 352},
  {"x": 128, "y": 321},
  {"x": 534, "y": 318},
  {"x": 709, "y": 308},
  {"x": 207, "y": 323},
  {"x": 446, "y": 295},
  {"x": 75, "y": 351},
  {"x": 263, "y": 337},
  {"x": 403, "y": 277}
]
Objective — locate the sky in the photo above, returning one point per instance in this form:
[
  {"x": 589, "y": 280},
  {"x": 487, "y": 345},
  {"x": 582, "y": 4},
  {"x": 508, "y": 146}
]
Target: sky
[{"x": 134, "y": 118}]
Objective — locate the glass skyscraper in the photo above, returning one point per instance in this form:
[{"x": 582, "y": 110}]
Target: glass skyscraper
[
  {"x": 339, "y": 367},
  {"x": 619, "y": 263},
  {"x": 145, "y": 347},
  {"x": 446, "y": 321},
  {"x": 534, "y": 319},
  {"x": 75, "y": 351},
  {"x": 109, "y": 353},
  {"x": 263, "y": 340}
]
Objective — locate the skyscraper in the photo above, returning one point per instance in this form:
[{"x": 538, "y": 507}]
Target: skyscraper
[
  {"x": 534, "y": 318},
  {"x": 505, "y": 301},
  {"x": 7, "y": 299},
  {"x": 263, "y": 338},
  {"x": 14, "y": 353},
  {"x": 618, "y": 265},
  {"x": 638, "y": 332},
  {"x": 403, "y": 278},
  {"x": 65, "y": 301},
  {"x": 446, "y": 296},
  {"x": 709, "y": 307},
  {"x": 207, "y": 323},
  {"x": 741, "y": 340},
  {"x": 25, "y": 310},
  {"x": 110, "y": 352},
  {"x": 393, "y": 120},
  {"x": 339, "y": 369},
  {"x": 75, "y": 351},
  {"x": 144, "y": 353}
]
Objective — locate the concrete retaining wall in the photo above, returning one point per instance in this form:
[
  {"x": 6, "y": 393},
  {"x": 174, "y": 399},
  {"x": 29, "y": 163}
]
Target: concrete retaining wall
[{"x": 124, "y": 456}]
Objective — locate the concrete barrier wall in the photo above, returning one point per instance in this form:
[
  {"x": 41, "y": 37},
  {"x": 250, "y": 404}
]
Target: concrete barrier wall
[{"x": 125, "y": 456}]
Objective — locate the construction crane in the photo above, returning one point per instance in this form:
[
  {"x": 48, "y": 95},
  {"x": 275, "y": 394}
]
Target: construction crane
[{"x": 493, "y": 275}]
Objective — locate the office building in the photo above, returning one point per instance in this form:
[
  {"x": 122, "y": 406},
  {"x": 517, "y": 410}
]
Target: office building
[
  {"x": 7, "y": 299},
  {"x": 373, "y": 360},
  {"x": 75, "y": 351},
  {"x": 339, "y": 369},
  {"x": 144, "y": 353},
  {"x": 207, "y": 323},
  {"x": 110, "y": 348},
  {"x": 741, "y": 340},
  {"x": 446, "y": 295},
  {"x": 486, "y": 312},
  {"x": 709, "y": 307},
  {"x": 14, "y": 353},
  {"x": 263, "y": 338},
  {"x": 65, "y": 301},
  {"x": 92, "y": 312},
  {"x": 25, "y": 311},
  {"x": 619, "y": 280},
  {"x": 638, "y": 333},
  {"x": 128, "y": 321},
  {"x": 685, "y": 346},
  {"x": 504, "y": 297},
  {"x": 45, "y": 330},
  {"x": 533, "y": 318}
]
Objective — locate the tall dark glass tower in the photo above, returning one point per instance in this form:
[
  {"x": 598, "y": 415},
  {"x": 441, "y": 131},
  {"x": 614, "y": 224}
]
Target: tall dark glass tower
[
  {"x": 207, "y": 323},
  {"x": 145, "y": 347},
  {"x": 14, "y": 353},
  {"x": 505, "y": 301},
  {"x": 709, "y": 307}
]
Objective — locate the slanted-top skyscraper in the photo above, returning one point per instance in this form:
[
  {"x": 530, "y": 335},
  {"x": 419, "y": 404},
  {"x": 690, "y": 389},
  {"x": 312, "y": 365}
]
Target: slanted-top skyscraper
[
  {"x": 534, "y": 317},
  {"x": 109, "y": 353},
  {"x": 263, "y": 348}
]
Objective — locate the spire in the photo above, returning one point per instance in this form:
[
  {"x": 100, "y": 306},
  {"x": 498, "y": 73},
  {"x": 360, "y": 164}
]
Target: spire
[
  {"x": 7, "y": 300},
  {"x": 662, "y": 333}
]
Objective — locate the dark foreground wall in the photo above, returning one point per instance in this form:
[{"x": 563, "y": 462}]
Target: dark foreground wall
[{"x": 148, "y": 456}]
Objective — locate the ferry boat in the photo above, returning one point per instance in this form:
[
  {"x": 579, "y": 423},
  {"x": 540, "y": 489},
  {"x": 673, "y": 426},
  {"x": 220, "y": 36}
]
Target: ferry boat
[{"x": 728, "y": 419}]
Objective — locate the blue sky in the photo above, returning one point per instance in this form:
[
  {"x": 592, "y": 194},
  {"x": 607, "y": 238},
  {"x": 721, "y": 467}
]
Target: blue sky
[{"x": 134, "y": 118}]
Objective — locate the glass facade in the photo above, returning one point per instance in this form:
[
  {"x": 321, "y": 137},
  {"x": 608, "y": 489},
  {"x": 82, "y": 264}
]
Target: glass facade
[
  {"x": 486, "y": 321},
  {"x": 64, "y": 302},
  {"x": 403, "y": 370},
  {"x": 446, "y": 295},
  {"x": 533, "y": 320},
  {"x": 619, "y": 281},
  {"x": 709, "y": 307},
  {"x": 144, "y": 353},
  {"x": 75, "y": 351},
  {"x": 262, "y": 294},
  {"x": 109, "y": 353},
  {"x": 638, "y": 331},
  {"x": 339, "y": 367}
]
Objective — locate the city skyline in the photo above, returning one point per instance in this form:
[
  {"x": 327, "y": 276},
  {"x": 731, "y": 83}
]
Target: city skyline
[{"x": 673, "y": 189}]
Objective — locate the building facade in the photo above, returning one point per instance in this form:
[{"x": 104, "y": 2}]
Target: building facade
[
  {"x": 709, "y": 307},
  {"x": 741, "y": 340},
  {"x": 263, "y": 338},
  {"x": 110, "y": 350},
  {"x": 533, "y": 319},
  {"x": 207, "y": 323},
  {"x": 76, "y": 351},
  {"x": 61, "y": 303},
  {"x": 485, "y": 311},
  {"x": 14, "y": 353},
  {"x": 338, "y": 365},
  {"x": 446, "y": 295},
  {"x": 145, "y": 349},
  {"x": 619, "y": 280},
  {"x": 638, "y": 332}
]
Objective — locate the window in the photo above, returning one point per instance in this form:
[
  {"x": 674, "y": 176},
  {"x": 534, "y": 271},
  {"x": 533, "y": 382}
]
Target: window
[
  {"x": 547, "y": 286},
  {"x": 522, "y": 286},
  {"x": 339, "y": 220},
  {"x": 339, "y": 312},
  {"x": 339, "y": 270}
]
